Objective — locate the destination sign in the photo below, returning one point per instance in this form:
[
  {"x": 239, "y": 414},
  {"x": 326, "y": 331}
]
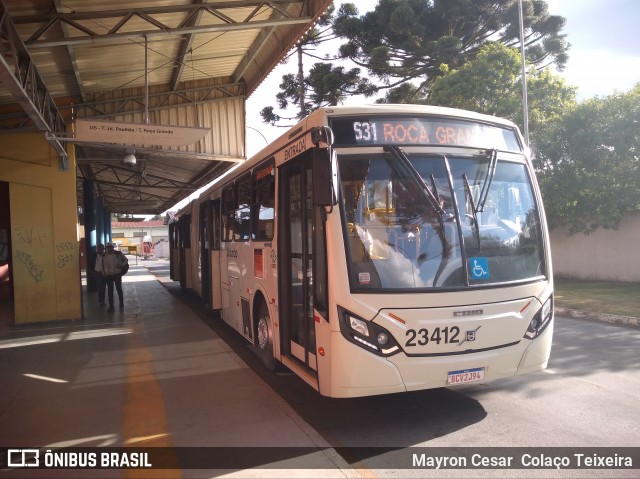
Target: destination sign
[
  {"x": 136, "y": 133},
  {"x": 422, "y": 131}
]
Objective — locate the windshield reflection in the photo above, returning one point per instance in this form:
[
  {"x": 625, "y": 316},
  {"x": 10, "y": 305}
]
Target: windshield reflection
[{"x": 396, "y": 239}]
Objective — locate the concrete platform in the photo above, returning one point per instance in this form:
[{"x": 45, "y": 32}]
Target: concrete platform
[{"x": 151, "y": 375}]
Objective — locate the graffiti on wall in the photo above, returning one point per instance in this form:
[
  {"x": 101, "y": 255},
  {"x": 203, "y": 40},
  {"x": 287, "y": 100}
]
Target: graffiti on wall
[
  {"x": 66, "y": 253},
  {"x": 27, "y": 235},
  {"x": 32, "y": 251},
  {"x": 32, "y": 267}
]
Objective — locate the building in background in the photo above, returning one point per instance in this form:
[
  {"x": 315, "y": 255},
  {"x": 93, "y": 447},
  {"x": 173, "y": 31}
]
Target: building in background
[{"x": 148, "y": 239}]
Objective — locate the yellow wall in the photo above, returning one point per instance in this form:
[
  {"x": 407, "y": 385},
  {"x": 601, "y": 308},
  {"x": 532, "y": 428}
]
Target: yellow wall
[{"x": 44, "y": 237}]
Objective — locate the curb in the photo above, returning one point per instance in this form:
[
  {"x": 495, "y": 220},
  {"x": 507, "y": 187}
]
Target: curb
[{"x": 607, "y": 318}]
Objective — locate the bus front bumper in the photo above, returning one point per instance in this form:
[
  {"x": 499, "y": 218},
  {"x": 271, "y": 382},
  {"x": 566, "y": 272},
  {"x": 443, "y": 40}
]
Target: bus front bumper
[{"x": 368, "y": 374}]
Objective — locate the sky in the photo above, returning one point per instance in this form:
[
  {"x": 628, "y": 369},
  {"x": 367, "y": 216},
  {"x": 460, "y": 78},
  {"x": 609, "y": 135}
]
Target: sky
[
  {"x": 604, "y": 57},
  {"x": 605, "y": 44}
]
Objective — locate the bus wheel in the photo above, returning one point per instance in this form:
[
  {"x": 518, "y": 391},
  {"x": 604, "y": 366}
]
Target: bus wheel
[{"x": 264, "y": 338}]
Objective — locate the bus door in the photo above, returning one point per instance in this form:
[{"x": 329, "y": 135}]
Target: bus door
[
  {"x": 204, "y": 261},
  {"x": 230, "y": 272},
  {"x": 216, "y": 285},
  {"x": 174, "y": 252},
  {"x": 295, "y": 246},
  {"x": 184, "y": 238}
]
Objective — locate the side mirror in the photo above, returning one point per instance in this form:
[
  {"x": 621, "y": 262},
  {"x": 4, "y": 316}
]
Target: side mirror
[{"x": 325, "y": 177}]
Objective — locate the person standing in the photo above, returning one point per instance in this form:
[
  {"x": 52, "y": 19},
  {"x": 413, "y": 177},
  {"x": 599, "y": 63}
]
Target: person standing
[
  {"x": 100, "y": 280},
  {"x": 111, "y": 267}
]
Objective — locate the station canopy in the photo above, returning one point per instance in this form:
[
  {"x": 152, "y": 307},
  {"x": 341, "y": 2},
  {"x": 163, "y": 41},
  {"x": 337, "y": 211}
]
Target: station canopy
[{"x": 125, "y": 82}]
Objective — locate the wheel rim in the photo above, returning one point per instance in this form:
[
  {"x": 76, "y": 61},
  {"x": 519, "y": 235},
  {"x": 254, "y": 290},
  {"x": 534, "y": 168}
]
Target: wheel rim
[{"x": 263, "y": 334}]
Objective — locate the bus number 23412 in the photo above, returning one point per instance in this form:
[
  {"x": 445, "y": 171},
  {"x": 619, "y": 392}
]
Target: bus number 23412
[{"x": 422, "y": 337}]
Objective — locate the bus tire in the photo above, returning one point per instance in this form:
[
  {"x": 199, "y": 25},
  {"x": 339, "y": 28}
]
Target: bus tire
[{"x": 264, "y": 337}]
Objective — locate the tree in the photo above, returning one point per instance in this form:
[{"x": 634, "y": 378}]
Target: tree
[
  {"x": 405, "y": 93},
  {"x": 589, "y": 164},
  {"x": 325, "y": 85},
  {"x": 587, "y": 155},
  {"x": 491, "y": 84},
  {"x": 403, "y": 41}
]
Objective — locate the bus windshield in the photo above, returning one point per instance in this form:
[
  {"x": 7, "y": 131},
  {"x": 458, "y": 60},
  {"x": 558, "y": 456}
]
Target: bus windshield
[{"x": 483, "y": 227}]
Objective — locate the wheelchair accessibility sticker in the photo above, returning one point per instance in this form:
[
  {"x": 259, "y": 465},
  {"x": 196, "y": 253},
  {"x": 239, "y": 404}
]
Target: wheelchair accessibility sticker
[{"x": 479, "y": 268}]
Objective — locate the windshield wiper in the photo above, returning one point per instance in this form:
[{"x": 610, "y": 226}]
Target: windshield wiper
[
  {"x": 435, "y": 189},
  {"x": 491, "y": 171},
  {"x": 476, "y": 227},
  {"x": 400, "y": 155}
]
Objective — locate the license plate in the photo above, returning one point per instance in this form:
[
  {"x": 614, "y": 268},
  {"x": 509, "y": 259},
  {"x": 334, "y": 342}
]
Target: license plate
[{"x": 465, "y": 376}]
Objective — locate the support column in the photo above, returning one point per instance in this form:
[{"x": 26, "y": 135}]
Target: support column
[
  {"x": 89, "y": 207},
  {"x": 100, "y": 235},
  {"x": 107, "y": 225}
]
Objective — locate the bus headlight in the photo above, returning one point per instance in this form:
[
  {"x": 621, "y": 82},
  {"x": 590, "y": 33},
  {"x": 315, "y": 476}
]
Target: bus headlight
[
  {"x": 359, "y": 326},
  {"x": 541, "y": 320},
  {"x": 366, "y": 334}
]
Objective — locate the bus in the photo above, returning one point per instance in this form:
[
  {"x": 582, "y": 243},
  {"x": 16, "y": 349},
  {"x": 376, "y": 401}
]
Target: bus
[{"x": 379, "y": 249}]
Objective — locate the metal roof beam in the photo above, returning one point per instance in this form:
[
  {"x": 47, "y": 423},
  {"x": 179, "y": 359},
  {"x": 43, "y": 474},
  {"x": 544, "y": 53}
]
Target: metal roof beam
[
  {"x": 120, "y": 188},
  {"x": 253, "y": 53},
  {"x": 185, "y": 47},
  {"x": 88, "y": 36},
  {"x": 72, "y": 55},
  {"x": 158, "y": 100},
  {"x": 52, "y": 18},
  {"x": 20, "y": 76},
  {"x": 161, "y": 181}
]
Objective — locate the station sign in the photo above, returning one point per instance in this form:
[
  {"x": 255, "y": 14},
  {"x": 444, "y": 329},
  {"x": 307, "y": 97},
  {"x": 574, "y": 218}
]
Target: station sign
[{"x": 136, "y": 133}]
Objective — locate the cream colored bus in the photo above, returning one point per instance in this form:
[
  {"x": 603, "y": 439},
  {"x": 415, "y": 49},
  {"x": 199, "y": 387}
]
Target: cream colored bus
[{"x": 379, "y": 249}]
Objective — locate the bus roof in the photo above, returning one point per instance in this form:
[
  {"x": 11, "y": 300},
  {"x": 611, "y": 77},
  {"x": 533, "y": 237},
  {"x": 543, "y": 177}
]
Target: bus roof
[{"x": 408, "y": 109}]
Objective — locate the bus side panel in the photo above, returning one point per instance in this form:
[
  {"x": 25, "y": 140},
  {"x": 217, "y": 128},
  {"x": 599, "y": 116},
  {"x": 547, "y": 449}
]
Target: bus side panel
[
  {"x": 325, "y": 353},
  {"x": 175, "y": 263},
  {"x": 216, "y": 284},
  {"x": 224, "y": 278},
  {"x": 188, "y": 272},
  {"x": 232, "y": 274},
  {"x": 247, "y": 281},
  {"x": 366, "y": 375},
  {"x": 226, "y": 299},
  {"x": 265, "y": 284},
  {"x": 193, "y": 263},
  {"x": 536, "y": 357}
]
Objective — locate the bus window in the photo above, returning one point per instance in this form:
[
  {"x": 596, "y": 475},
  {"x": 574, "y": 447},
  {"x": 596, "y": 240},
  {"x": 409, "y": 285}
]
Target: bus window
[
  {"x": 263, "y": 206},
  {"x": 242, "y": 223},
  {"x": 228, "y": 211}
]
